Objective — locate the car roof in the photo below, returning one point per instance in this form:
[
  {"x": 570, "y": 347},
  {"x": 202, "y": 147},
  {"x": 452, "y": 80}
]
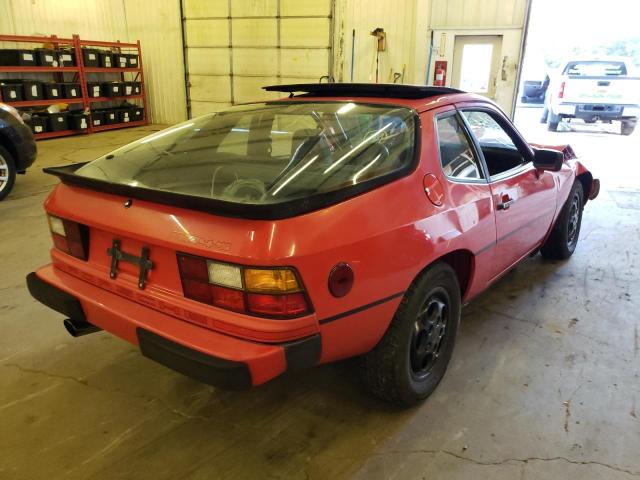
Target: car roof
[{"x": 418, "y": 97}]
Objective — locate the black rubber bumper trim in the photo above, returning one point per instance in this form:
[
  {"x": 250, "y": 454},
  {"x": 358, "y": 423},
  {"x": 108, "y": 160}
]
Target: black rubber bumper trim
[
  {"x": 54, "y": 298},
  {"x": 304, "y": 353},
  {"x": 214, "y": 371}
]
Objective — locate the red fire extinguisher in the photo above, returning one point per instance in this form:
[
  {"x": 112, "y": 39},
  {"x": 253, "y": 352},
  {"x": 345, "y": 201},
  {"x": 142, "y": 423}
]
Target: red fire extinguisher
[{"x": 440, "y": 76}]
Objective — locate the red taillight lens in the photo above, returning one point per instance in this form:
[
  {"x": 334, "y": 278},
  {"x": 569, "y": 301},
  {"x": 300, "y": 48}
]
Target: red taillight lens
[
  {"x": 70, "y": 237},
  {"x": 287, "y": 305},
  {"x": 227, "y": 298},
  {"x": 195, "y": 279},
  {"x": 241, "y": 289},
  {"x": 196, "y": 290},
  {"x": 193, "y": 267},
  {"x": 561, "y": 91},
  {"x": 60, "y": 242},
  {"x": 77, "y": 239}
]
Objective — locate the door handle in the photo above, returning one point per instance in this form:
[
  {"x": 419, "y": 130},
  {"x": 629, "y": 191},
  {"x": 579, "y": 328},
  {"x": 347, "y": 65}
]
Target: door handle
[{"x": 506, "y": 203}]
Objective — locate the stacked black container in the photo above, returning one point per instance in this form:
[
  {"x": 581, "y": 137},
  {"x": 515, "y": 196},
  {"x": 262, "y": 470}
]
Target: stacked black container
[
  {"x": 17, "y": 58},
  {"x": 35, "y": 97},
  {"x": 11, "y": 92}
]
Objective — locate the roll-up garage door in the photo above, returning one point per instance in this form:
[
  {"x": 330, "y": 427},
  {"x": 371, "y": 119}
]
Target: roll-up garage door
[{"x": 233, "y": 48}]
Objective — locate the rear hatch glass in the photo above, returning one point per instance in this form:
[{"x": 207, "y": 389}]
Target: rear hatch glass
[{"x": 268, "y": 154}]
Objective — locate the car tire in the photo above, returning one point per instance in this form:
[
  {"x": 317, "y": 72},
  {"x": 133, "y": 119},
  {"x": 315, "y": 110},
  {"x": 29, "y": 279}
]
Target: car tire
[
  {"x": 411, "y": 358},
  {"x": 564, "y": 237},
  {"x": 627, "y": 128},
  {"x": 553, "y": 121},
  {"x": 7, "y": 173}
]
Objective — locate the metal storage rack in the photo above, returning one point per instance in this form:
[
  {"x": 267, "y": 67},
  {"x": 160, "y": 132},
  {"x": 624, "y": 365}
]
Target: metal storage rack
[{"x": 80, "y": 76}]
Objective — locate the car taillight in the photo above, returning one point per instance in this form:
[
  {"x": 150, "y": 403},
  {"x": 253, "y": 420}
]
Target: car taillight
[
  {"x": 264, "y": 292},
  {"x": 69, "y": 237},
  {"x": 561, "y": 91}
]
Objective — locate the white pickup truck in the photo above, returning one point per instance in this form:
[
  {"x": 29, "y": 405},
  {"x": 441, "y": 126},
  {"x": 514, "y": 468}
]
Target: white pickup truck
[{"x": 594, "y": 90}]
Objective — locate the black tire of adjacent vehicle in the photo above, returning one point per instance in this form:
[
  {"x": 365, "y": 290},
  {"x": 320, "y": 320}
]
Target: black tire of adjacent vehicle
[
  {"x": 553, "y": 121},
  {"x": 627, "y": 128},
  {"x": 5, "y": 188},
  {"x": 387, "y": 369},
  {"x": 559, "y": 246}
]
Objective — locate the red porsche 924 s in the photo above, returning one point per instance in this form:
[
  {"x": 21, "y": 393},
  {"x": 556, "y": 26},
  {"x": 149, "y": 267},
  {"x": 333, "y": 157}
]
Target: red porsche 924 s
[{"x": 347, "y": 220}]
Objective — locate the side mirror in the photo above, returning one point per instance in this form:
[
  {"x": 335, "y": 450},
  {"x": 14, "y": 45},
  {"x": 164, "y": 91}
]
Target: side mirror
[{"x": 546, "y": 159}]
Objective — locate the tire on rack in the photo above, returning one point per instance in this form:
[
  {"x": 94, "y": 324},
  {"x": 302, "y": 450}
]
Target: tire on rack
[
  {"x": 553, "y": 121},
  {"x": 7, "y": 172},
  {"x": 627, "y": 127},
  {"x": 412, "y": 356},
  {"x": 564, "y": 237}
]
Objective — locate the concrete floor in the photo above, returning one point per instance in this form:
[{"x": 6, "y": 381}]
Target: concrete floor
[{"x": 544, "y": 382}]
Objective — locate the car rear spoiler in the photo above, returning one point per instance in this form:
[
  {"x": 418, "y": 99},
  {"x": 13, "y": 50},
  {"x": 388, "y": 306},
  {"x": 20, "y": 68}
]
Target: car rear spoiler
[{"x": 266, "y": 211}]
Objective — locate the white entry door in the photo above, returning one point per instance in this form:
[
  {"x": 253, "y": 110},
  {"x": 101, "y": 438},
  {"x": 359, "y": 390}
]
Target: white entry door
[{"x": 476, "y": 61}]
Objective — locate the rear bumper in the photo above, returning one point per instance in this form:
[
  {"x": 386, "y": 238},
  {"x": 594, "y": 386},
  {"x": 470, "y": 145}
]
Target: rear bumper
[
  {"x": 592, "y": 111},
  {"x": 208, "y": 356}
]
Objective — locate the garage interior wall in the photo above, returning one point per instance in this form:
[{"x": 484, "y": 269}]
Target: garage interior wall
[
  {"x": 451, "y": 18},
  {"x": 156, "y": 23},
  {"x": 408, "y": 25},
  {"x": 405, "y": 24},
  {"x": 233, "y": 48}
]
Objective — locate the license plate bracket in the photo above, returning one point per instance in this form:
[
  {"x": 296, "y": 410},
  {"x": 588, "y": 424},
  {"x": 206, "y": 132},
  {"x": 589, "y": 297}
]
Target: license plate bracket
[{"x": 118, "y": 255}]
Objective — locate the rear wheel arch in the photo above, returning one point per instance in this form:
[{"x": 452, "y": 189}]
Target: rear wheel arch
[
  {"x": 586, "y": 179},
  {"x": 463, "y": 264}
]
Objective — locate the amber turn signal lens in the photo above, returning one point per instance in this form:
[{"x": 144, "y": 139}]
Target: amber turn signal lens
[{"x": 279, "y": 280}]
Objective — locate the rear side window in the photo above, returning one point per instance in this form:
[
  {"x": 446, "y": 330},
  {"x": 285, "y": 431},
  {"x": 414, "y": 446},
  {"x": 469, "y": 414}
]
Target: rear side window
[{"x": 456, "y": 155}]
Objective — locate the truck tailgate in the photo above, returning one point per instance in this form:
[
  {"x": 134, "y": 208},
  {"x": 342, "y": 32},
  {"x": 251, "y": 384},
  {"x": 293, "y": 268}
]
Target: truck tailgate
[{"x": 602, "y": 90}]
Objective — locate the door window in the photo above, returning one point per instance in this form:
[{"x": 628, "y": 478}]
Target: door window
[
  {"x": 456, "y": 155},
  {"x": 498, "y": 148}
]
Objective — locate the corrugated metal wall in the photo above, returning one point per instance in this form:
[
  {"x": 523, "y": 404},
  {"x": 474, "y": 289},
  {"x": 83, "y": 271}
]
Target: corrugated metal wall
[
  {"x": 93, "y": 19},
  {"x": 505, "y": 18},
  {"x": 409, "y": 24},
  {"x": 273, "y": 40},
  {"x": 156, "y": 23},
  {"x": 477, "y": 14},
  {"x": 233, "y": 48},
  {"x": 399, "y": 20}
]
